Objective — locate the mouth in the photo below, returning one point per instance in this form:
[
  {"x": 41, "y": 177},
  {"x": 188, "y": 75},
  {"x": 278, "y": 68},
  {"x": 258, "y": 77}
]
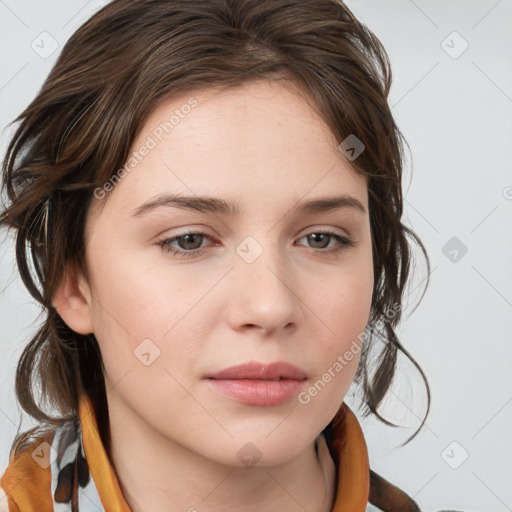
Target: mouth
[{"x": 259, "y": 384}]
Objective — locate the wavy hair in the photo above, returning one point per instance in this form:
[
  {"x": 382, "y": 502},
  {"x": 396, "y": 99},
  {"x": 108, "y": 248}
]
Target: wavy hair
[{"x": 111, "y": 74}]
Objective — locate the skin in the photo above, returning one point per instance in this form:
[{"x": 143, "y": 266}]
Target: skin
[{"x": 174, "y": 439}]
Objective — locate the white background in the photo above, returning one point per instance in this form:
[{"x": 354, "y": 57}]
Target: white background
[{"x": 455, "y": 112}]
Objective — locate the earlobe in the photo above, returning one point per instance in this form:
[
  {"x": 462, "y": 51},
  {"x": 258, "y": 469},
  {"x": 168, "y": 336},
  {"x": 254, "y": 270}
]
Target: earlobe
[{"x": 72, "y": 300}]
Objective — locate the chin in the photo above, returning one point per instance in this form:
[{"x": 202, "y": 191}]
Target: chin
[{"x": 254, "y": 449}]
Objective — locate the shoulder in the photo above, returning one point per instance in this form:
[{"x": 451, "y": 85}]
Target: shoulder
[
  {"x": 56, "y": 435},
  {"x": 27, "y": 441},
  {"x": 386, "y": 496},
  {"x": 36, "y": 457},
  {"x": 22, "y": 457},
  {"x": 4, "y": 506}
]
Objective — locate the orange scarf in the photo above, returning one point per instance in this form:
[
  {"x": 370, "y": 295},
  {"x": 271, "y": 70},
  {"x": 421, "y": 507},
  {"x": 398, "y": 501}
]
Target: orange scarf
[{"x": 67, "y": 468}]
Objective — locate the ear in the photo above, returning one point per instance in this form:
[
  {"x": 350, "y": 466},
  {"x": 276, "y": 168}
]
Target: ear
[{"x": 72, "y": 300}]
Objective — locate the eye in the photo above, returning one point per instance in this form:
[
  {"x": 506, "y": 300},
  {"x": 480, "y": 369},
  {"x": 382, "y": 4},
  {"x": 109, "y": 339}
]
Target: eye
[
  {"x": 190, "y": 243},
  {"x": 323, "y": 238}
]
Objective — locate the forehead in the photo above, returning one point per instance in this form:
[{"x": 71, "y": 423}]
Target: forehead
[{"x": 255, "y": 143}]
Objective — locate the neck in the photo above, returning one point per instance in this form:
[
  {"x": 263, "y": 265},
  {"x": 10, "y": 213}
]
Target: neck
[{"x": 169, "y": 477}]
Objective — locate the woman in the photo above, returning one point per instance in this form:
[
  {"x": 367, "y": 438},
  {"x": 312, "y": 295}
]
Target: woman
[{"x": 211, "y": 194}]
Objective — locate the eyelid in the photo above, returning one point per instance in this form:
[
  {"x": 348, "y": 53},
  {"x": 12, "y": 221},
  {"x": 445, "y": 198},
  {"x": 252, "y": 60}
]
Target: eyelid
[{"x": 323, "y": 228}]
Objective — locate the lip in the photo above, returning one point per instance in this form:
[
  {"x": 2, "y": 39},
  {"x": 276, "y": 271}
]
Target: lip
[
  {"x": 259, "y": 384},
  {"x": 260, "y": 371}
]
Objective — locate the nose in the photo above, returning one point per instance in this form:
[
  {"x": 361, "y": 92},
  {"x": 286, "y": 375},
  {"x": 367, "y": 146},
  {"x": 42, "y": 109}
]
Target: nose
[{"x": 264, "y": 292}]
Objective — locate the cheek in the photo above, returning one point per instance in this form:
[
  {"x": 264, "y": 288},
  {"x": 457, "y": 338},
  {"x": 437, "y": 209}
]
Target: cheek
[
  {"x": 346, "y": 303},
  {"x": 141, "y": 323},
  {"x": 344, "y": 309},
  {"x": 337, "y": 354},
  {"x": 132, "y": 297}
]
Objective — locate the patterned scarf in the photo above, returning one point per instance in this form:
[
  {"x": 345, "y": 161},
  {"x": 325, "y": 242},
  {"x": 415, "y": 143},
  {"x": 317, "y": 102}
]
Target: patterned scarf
[{"x": 66, "y": 469}]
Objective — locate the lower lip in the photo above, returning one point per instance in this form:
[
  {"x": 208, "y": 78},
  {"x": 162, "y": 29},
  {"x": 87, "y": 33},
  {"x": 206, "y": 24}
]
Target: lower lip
[{"x": 264, "y": 393}]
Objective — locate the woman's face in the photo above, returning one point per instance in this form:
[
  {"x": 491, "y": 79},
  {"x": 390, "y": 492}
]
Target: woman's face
[{"x": 255, "y": 281}]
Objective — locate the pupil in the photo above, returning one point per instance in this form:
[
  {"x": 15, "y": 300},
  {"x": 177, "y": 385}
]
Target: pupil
[
  {"x": 314, "y": 236},
  {"x": 187, "y": 237}
]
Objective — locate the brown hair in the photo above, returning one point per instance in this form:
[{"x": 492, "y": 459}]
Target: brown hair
[{"x": 112, "y": 73}]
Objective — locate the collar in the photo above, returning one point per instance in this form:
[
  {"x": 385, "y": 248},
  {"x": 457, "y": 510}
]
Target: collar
[{"x": 102, "y": 472}]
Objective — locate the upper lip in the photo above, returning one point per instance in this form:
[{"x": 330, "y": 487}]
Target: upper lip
[{"x": 254, "y": 370}]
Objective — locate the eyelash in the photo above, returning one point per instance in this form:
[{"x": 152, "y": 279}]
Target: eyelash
[{"x": 343, "y": 242}]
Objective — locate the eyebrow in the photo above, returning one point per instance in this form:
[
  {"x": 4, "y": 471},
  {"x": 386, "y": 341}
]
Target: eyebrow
[{"x": 220, "y": 206}]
